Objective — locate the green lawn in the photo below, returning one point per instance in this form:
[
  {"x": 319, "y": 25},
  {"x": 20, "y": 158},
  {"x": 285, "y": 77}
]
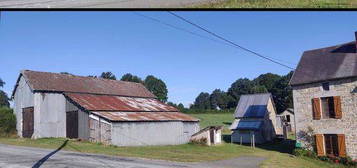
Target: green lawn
[
  {"x": 181, "y": 153},
  {"x": 224, "y": 119},
  {"x": 282, "y": 4},
  {"x": 277, "y": 154}
]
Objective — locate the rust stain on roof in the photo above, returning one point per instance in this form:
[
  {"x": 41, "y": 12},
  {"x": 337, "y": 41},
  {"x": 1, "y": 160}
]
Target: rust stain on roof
[
  {"x": 145, "y": 116},
  {"x": 55, "y": 82},
  {"x": 118, "y": 103}
]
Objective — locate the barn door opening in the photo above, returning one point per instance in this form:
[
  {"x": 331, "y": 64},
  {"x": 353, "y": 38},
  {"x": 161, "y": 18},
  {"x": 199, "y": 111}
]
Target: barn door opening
[
  {"x": 211, "y": 132},
  {"x": 72, "y": 124},
  {"x": 27, "y": 122}
]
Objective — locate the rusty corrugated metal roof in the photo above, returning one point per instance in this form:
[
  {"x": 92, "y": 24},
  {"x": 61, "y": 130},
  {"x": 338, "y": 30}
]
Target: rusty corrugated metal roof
[
  {"x": 55, "y": 82},
  {"x": 118, "y": 103},
  {"x": 145, "y": 116}
]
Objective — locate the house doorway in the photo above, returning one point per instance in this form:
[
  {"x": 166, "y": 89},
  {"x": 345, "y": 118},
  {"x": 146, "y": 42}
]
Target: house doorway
[
  {"x": 27, "y": 122},
  {"x": 211, "y": 136},
  {"x": 72, "y": 124}
]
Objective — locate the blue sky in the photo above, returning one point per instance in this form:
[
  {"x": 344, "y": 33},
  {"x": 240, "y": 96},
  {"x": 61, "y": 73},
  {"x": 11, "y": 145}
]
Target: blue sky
[{"x": 88, "y": 43}]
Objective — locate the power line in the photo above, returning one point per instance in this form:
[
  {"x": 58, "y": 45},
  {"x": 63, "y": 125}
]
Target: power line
[
  {"x": 179, "y": 28},
  {"x": 230, "y": 42}
]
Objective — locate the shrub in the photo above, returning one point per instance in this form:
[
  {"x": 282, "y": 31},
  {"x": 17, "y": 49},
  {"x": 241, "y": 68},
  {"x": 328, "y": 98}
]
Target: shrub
[
  {"x": 201, "y": 141},
  {"x": 311, "y": 154},
  {"x": 304, "y": 152},
  {"x": 7, "y": 122}
]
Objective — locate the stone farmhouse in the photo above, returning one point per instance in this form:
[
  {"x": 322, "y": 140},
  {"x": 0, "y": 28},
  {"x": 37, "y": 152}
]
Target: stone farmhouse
[
  {"x": 100, "y": 110},
  {"x": 325, "y": 100}
]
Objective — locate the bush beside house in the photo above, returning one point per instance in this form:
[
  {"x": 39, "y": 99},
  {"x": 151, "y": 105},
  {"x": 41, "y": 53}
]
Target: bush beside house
[{"x": 7, "y": 122}]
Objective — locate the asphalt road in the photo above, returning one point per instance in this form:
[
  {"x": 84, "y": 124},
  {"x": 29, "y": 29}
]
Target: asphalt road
[
  {"x": 99, "y": 3},
  {"x": 21, "y": 157}
]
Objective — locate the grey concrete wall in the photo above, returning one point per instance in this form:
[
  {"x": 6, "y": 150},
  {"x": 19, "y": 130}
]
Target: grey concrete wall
[
  {"x": 152, "y": 133},
  {"x": 83, "y": 120},
  {"x": 347, "y": 125},
  {"x": 50, "y": 115},
  {"x": 23, "y": 97}
]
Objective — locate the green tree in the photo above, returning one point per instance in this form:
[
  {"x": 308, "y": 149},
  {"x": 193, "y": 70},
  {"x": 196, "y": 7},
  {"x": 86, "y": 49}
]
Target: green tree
[
  {"x": 181, "y": 107},
  {"x": 2, "y": 83},
  {"x": 202, "y": 101},
  {"x": 131, "y": 78},
  {"x": 282, "y": 93},
  {"x": 4, "y": 99},
  {"x": 267, "y": 80},
  {"x": 66, "y": 73},
  {"x": 259, "y": 89},
  {"x": 220, "y": 99},
  {"x": 240, "y": 87},
  {"x": 7, "y": 121},
  {"x": 108, "y": 75},
  {"x": 157, "y": 87}
]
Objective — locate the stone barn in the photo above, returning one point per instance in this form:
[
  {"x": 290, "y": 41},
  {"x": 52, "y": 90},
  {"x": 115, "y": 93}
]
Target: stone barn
[
  {"x": 100, "y": 110},
  {"x": 255, "y": 115}
]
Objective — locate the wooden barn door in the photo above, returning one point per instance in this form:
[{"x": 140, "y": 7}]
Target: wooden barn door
[
  {"x": 72, "y": 124},
  {"x": 27, "y": 122}
]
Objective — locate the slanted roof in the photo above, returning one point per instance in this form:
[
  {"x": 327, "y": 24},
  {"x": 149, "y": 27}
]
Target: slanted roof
[
  {"x": 122, "y": 109},
  {"x": 215, "y": 127},
  {"x": 93, "y": 102},
  {"x": 55, "y": 82},
  {"x": 328, "y": 63},
  {"x": 110, "y": 99},
  {"x": 252, "y": 106},
  {"x": 248, "y": 125},
  {"x": 144, "y": 116}
]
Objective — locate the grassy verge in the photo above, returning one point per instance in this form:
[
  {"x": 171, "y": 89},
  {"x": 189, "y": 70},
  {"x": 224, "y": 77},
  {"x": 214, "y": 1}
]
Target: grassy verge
[
  {"x": 182, "y": 153},
  {"x": 277, "y": 154},
  {"x": 282, "y": 4}
]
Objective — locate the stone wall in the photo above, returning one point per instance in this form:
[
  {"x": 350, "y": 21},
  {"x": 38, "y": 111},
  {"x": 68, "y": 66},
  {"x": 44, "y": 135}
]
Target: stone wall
[{"x": 347, "y": 125}]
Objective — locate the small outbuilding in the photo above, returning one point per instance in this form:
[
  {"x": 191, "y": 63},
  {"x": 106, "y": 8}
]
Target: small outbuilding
[
  {"x": 100, "y": 110},
  {"x": 255, "y": 118},
  {"x": 288, "y": 119},
  {"x": 211, "y": 135}
]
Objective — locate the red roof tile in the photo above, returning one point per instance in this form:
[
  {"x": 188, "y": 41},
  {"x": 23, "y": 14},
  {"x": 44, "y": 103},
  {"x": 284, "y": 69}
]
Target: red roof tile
[
  {"x": 46, "y": 81},
  {"x": 117, "y": 103},
  {"x": 145, "y": 116}
]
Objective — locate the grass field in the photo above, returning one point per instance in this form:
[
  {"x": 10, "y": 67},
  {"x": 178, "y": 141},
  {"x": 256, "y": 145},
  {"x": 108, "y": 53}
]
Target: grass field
[
  {"x": 224, "y": 119},
  {"x": 277, "y": 154},
  {"x": 282, "y": 4}
]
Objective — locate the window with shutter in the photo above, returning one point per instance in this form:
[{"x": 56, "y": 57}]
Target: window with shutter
[
  {"x": 331, "y": 144},
  {"x": 341, "y": 145},
  {"x": 316, "y": 109},
  {"x": 337, "y": 107},
  {"x": 319, "y": 142}
]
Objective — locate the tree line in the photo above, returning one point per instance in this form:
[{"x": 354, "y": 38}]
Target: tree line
[
  {"x": 226, "y": 101},
  {"x": 217, "y": 101},
  {"x": 152, "y": 83}
]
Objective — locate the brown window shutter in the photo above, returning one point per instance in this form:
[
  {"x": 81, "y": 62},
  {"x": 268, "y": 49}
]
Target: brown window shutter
[
  {"x": 337, "y": 106},
  {"x": 316, "y": 110},
  {"x": 319, "y": 140},
  {"x": 341, "y": 145}
]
